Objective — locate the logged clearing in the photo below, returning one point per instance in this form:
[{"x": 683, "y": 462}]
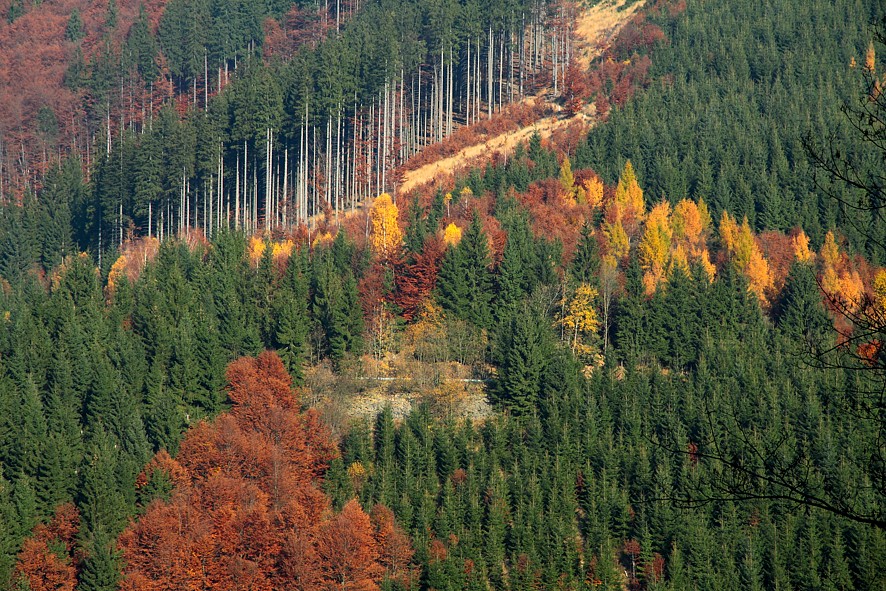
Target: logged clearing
[
  {"x": 595, "y": 29},
  {"x": 597, "y": 26},
  {"x": 480, "y": 153}
]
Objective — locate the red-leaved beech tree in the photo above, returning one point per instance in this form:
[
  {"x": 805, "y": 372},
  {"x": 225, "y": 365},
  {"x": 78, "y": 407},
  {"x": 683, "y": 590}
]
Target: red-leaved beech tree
[
  {"x": 247, "y": 512},
  {"x": 47, "y": 560}
]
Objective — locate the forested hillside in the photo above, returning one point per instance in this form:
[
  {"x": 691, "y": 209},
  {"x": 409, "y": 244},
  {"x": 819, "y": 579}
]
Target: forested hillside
[{"x": 676, "y": 318}]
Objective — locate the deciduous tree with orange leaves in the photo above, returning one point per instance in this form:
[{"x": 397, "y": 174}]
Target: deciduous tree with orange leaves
[
  {"x": 247, "y": 511},
  {"x": 46, "y": 561}
]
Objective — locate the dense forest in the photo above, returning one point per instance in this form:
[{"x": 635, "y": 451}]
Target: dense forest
[{"x": 677, "y": 318}]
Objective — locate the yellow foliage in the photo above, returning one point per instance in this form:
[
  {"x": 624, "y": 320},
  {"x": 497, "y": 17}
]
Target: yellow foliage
[
  {"x": 870, "y": 58},
  {"x": 358, "y": 475},
  {"x": 386, "y": 235},
  {"x": 679, "y": 261},
  {"x": 593, "y": 191},
  {"x": 466, "y": 192},
  {"x": 759, "y": 274},
  {"x": 879, "y": 288},
  {"x": 617, "y": 238},
  {"x": 830, "y": 281},
  {"x": 728, "y": 231},
  {"x": 830, "y": 253},
  {"x": 687, "y": 223},
  {"x": 256, "y": 249},
  {"x": 709, "y": 268},
  {"x": 655, "y": 245},
  {"x": 118, "y": 270},
  {"x": 628, "y": 194},
  {"x": 321, "y": 239},
  {"x": 801, "y": 248},
  {"x": 567, "y": 180},
  {"x": 851, "y": 288},
  {"x": 282, "y": 250},
  {"x": 746, "y": 256},
  {"x": 580, "y": 318},
  {"x": 745, "y": 247},
  {"x": 452, "y": 235},
  {"x": 650, "y": 282}
]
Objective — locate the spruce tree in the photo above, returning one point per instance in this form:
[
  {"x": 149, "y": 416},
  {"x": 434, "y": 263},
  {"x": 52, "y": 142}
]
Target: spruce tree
[
  {"x": 290, "y": 307},
  {"x": 464, "y": 283}
]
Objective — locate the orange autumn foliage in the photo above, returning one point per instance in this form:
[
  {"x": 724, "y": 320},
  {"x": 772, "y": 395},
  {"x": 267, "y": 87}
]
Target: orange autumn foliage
[
  {"x": 841, "y": 282},
  {"x": 746, "y": 255},
  {"x": 801, "y": 248},
  {"x": 247, "y": 511},
  {"x": 628, "y": 206},
  {"x": 690, "y": 222},
  {"x": 46, "y": 561}
]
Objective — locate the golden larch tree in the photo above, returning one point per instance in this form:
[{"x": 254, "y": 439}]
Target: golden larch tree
[
  {"x": 802, "y": 253},
  {"x": 628, "y": 205},
  {"x": 567, "y": 180},
  {"x": 679, "y": 261},
  {"x": 257, "y": 247},
  {"x": 593, "y": 192},
  {"x": 687, "y": 225},
  {"x": 655, "y": 246},
  {"x": 452, "y": 235},
  {"x": 746, "y": 256},
  {"x": 386, "y": 234},
  {"x": 709, "y": 268},
  {"x": 580, "y": 320},
  {"x": 879, "y": 289},
  {"x": 617, "y": 239}
]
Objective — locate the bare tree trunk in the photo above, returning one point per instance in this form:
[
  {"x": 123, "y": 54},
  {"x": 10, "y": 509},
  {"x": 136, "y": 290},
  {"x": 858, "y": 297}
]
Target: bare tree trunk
[{"x": 490, "y": 57}]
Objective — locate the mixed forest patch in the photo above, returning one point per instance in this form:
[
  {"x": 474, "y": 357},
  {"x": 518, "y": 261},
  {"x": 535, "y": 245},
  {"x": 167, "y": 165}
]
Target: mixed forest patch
[{"x": 676, "y": 317}]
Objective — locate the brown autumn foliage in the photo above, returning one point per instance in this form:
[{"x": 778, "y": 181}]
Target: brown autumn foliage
[
  {"x": 415, "y": 280},
  {"x": 510, "y": 118},
  {"x": 247, "y": 511},
  {"x": 552, "y": 218},
  {"x": 47, "y": 560},
  {"x": 576, "y": 88}
]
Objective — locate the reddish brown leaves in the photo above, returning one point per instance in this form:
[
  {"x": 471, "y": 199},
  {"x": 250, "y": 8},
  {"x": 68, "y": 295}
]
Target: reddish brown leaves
[
  {"x": 415, "y": 281},
  {"x": 46, "y": 560},
  {"x": 247, "y": 512}
]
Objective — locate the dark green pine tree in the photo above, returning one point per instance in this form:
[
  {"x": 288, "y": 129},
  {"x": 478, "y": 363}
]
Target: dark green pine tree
[
  {"x": 464, "y": 284},
  {"x": 164, "y": 415},
  {"x": 100, "y": 499},
  {"x": 264, "y": 284},
  {"x": 102, "y": 563},
  {"x": 515, "y": 273},
  {"x": 140, "y": 49},
  {"x": 9, "y": 532},
  {"x": 25, "y": 434},
  {"x": 800, "y": 312},
  {"x": 522, "y": 355},
  {"x": 678, "y": 320},
  {"x": 182, "y": 36},
  {"x": 585, "y": 265},
  {"x": 74, "y": 30},
  {"x": 237, "y": 329},
  {"x": 336, "y": 307},
  {"x": 416, "y": 227},
  {"x": 630, "y": 319},
  {"x": 290, "y": 312},
  {"x": 63, "y": 186},
  {"x": 337, "y": 484}
]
